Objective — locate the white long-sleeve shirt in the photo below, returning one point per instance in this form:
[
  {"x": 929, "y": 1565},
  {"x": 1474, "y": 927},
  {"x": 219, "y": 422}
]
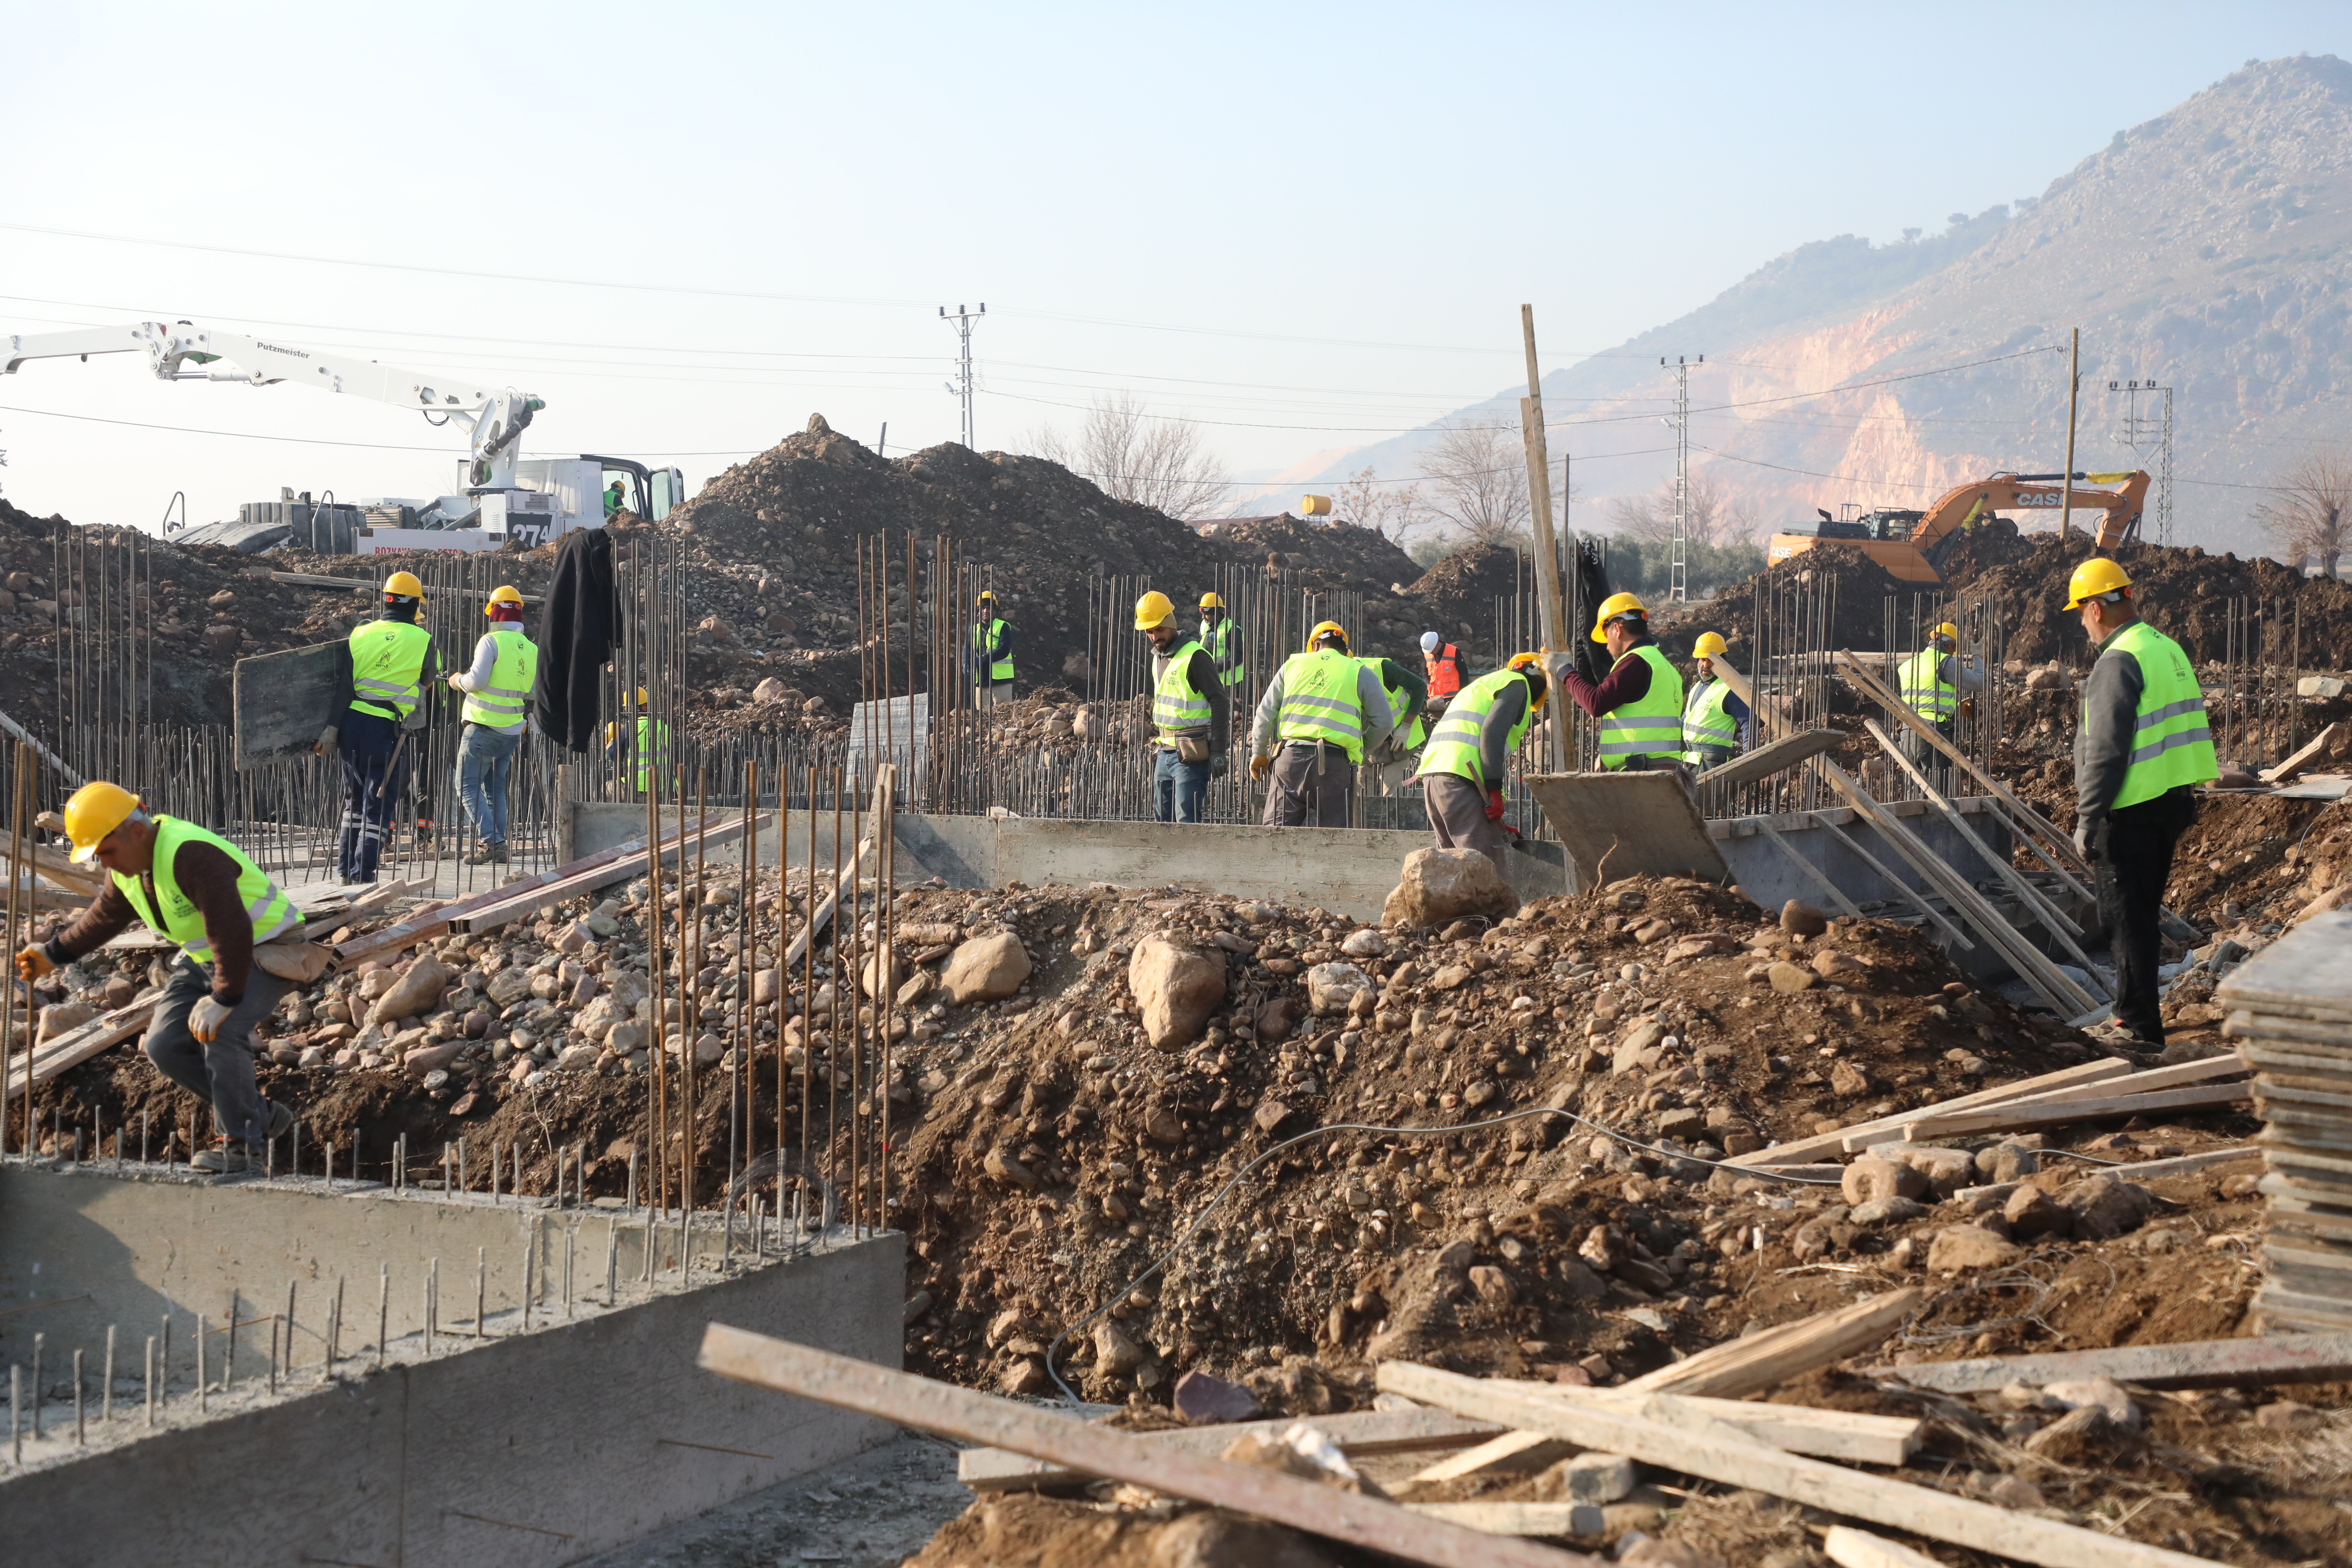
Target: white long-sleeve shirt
[{"x": 485, "y": 660}]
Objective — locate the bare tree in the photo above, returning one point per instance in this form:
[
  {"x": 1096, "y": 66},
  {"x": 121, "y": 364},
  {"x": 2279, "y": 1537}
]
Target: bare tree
[
  {"x": 1140, "y": 456},
  {"x": 1477, "y": 475},
  {"x": 1390, "y": 511},
  {"x": 2312, "y": 509},
  {"x": 1711, "y": 519}
]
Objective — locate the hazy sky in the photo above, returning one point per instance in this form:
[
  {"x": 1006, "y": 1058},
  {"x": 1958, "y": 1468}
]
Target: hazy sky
[{"x": 1309, "y": 226}]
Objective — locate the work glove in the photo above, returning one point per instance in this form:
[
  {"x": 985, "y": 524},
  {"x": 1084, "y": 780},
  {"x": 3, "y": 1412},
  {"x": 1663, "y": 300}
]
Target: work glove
[
  {"x": 32, "y": 963},
  {"x": 205, "y": 1019},
  {"x": 2083, "y": 839},
  {"x": 1494, "y": 805},
  {"x": 1220, "y": 765},
  {"x": 1260, "y": 766},
  {"x": 327, "y": 738}
]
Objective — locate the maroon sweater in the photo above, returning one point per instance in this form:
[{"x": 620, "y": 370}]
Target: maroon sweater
[
  {"x": 209, "y": 879},
  {"x": 1629, "y": 681}
]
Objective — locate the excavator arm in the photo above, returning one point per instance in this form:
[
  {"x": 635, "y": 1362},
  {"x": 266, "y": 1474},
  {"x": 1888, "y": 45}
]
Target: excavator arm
[{"x": 1957, "y": 508}]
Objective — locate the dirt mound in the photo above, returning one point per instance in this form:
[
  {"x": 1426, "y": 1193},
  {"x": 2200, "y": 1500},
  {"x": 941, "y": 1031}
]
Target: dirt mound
[
  {"x": 1327, "y": 555},
  {"x": 1860, "y": 621},
  {"x": 1455, "y": 597}
]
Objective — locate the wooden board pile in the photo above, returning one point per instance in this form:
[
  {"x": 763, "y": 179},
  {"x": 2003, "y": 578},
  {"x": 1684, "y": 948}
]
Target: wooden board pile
[{"x": 2291, "y": 1013}]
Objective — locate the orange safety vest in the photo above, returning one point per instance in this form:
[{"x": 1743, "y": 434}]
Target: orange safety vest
[{"x": 1444, "y": 668}]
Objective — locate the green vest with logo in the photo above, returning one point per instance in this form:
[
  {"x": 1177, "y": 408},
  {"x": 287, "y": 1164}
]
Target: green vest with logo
[
  {"x": 271, "y": 911},
  {"x": 985, "y": 641},
  {"x": 1224, "y": 645},
  {"x": 500, "y": 704},
  {"x": 1651, "y": 725},
  {"x": 387, "y": 661},
  {"x": 1705, "y": 722},
  {"x": 1319, "y": 701},
  {"x": 1176, "y": 707},
  {"x": 2171, "y": 743},
  {"x": 1925, "y": 689},
  {"x": 1454, "y": 745}
]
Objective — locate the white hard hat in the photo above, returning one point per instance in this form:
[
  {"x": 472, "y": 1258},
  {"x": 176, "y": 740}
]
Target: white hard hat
[{"x": 1429, "y": 641}]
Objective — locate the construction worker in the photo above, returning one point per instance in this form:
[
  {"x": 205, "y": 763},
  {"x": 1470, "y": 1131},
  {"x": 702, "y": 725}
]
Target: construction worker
[
  {"x": 1640, "y": 702},
  {"x": 1462, "y": 771},
  {"x": 2140, "y": 750},
  {"x": 1191, "y": 714},
  {"x": 647, "y": 739},
  {"x": 1933, "y": 678},
  {"x": 1324, "y": 711},
  {"x": 387, "y": 667},
  {"x": 1221, "y": 639},
  {"x": 612, "y": 501},
  {"x": 992, "y": 654},
  {"x": 1715, "y": 721},
  {"x": 497, "y": 688},
  {"x": 1408, "y": 694},
  {"x": 1441, "y": 665},
  {"x": 200, "y": 890}
]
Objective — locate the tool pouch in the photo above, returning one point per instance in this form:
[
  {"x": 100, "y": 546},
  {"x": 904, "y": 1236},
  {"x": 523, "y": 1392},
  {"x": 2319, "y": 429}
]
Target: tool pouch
[{"x": 1191, "y": 749}]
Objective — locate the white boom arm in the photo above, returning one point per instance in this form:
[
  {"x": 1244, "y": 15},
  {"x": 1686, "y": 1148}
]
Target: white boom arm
[{"x": 494, "y": 419}]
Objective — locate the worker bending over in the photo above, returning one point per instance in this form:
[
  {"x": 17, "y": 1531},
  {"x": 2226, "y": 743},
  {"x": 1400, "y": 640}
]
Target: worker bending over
[
  {"x": 201, "y": 891},
  {"x": 1715, "y": 721},
  {"x": 1933, "y": 678},
  {"x": 1408, "y": 694},
  {"x": 382, "y": 678},
  {"x": 1462, "y": 772},
  {"x": 497, "y": 688},
  {"x": 1320, "y": 714},
  {"x": 992, "y": 654},
  {"x": 1640, "y": 702},
  {"x": 1192, "y": 717},
  {"x": 1221, "y": 639},
  {"x": 2140, "y": 752}
]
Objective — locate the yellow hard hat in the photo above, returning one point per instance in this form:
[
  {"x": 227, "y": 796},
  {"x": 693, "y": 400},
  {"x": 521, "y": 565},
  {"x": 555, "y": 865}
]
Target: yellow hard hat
[
  {"x": 1949, "y": 630},
  {"x": 2094, "y": 577},
  {"x": 504, "y": 594},
  {"x": 97, "y": 809},
  {"x": 641, "y": 697},
  {"x": 1615, "y": 605},
  {"x": 405, "y": 585},
  {"x": 1531, "y": 666},
  {"x": 1710, "y": 643},
  {"x": 1152, "y": 609},
  {"x": 1211, "y": 601},
  {"x": 987, "y": 597},
  {"x": 1328, "y": 628}
]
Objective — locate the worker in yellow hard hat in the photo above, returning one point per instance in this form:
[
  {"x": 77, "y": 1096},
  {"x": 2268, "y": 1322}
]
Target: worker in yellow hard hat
[
  {"x": 1322, "y": 714},
  {"x": 497, "y": 699},
  {"x": 1221, "y": 638},
  {"x": 1467, "y": 764},
  {"x": 644, "y": 739},
  {"x": 385, "y": 679},
  {"x": 1191, "y": 715},
  {"x": 615, "y": 500},
  {"x": 1933, "y": 678},
  {"x": 1640, "y": 702},
  {"x": 2141, "y": 748},
  {"x": 990, "y": 655},
  {"x": 203, "y": 892},
  {"x": 1715, "y": 721}
]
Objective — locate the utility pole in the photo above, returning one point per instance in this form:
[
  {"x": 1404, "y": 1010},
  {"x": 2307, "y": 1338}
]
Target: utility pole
[
  {"x": 1678, "y": 560},
  {"x": 1531, "y": 433},
  {"x": 2140, "y": 431},
  {"x": 2074, "y": 394},
  {"x": 962, "y": 385}
]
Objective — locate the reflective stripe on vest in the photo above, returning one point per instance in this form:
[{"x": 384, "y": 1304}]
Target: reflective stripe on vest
[
  {"x": 1224, "y": 648},
  {"x": 1176, "y": 707},
  {"x": 1705, "y": 722},
  {"x": 1398, "y": 702},
  {"x": 500, "y": 704},
  {"x": 984, "y": 643},
  {"x": 2172, "y": 745},
  {"x": 653, "y": 751},
  {"x": 1319, "y": 701},
  {"x": 1652, "y": 724},
  {"x": 1924, "y": 691},
  {"x": 271, "y": 911},
  {"x": 387, "y": 658},
  {"x": 1454, "y": 745},
  {"x": 1444, "y": 668}
]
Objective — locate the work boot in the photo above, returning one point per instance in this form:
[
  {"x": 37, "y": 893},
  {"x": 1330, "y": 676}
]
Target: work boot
[
  {"x": 281, "y": 1120},
  {"x": 223, "y": 1158},
  {"x": 499, "y": 853}
]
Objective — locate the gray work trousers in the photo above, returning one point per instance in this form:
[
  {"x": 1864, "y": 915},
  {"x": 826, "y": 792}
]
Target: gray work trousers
[
  {"x": 1312, "y": 785},
  {"x": 1457, "y": 816},
  {"x": 222, "y": 1072}
]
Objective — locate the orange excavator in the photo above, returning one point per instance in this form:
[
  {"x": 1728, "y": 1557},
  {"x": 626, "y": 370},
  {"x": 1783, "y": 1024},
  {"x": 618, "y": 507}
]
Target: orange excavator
[{"x": 1911, "y": 545}]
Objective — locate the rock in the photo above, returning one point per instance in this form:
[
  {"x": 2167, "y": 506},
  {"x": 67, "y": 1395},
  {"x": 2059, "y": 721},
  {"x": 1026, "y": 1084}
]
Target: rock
[
  {"x": 2287, "y": 1415},
  {"x": 1493, "y": 1286},
  {"x": 418, "y": 991},
  {"x": 578, "y": 1057},
  {"x": 2101, "y": 1392},
  {"x": 1274, "y": 1020},
  {"x": 1595, "y": 1478},
  {"x": 2014, "y": 1492},
  {"x": 1962, "y": 1247},
  {"x": 2050, "y": 678},
  {"x": 987, "y": 969},
  {"x": 1022, "y": 1374},
  {"x": 1214, "y": 1540},
  {"x": 1946, "y": 1169},
  {"x": 61, "y": 1017},
  {"x": 1684, "y": 1123},
  {"x": 375, "y": 982},
  {"x": 1116, "y": 1355},
  {"x": 627, "y": 989},
  {"x": 1330, "y": 987},
  {"x": 2031, "y": 1214},
  {"x": 1438, "y": 886},
  {"x": 1009, "y": 1172},
  {"x": 1364, "y": 944},
  {"x": 2073, "y": 1437},
  {"x": 1801, "y": 919},
  {"x": 1886, "y": 1211},
  {"x": 509, "y": 986},
  {"x": 1176, "y": 989},
  {"x": 1831, "y": 964},
  {"x": 770, "y": 690},
  {"x": 120, "y": 989},
  {"x": 1788, "y": 977},
  {"x": 597, "y": 1019},
  {"x": 707, "y": 1050},
  {"x": 627, "y": 1037},
  {"x": 1452, "y": 977},
  {"x": 423, "y": 1060},
  {"x": 869, "y": 975},
  {"x": 224, "y": 637},
  {"x": 1847, "y": 1081},
  {"x": 2104, "y": 1208},
  {"x": 1270, "y": 1114},
  {"x": 1870, "y": 1177},
  {"x": 1205, "y": 1401},
  {"x": 1162, "y": 1125},
  {"x": 766, "y": 986}
]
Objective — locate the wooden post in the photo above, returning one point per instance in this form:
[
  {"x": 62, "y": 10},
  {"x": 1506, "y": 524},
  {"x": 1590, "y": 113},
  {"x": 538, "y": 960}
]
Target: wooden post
[
  {"x": 2073, "y": 395},
  {"x": 1551, "y": 609}
]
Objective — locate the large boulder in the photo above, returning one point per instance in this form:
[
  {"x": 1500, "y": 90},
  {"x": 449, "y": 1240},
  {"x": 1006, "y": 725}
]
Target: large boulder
[
  {"x": 1439, "y": 885},
  {"x": 986, "y": 968},
  {"x": 418, "y": 991},
  {"x": 1176, "y": 987}
]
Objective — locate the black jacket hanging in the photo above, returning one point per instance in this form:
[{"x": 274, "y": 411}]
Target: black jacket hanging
[{"x": 576, "y": 627}]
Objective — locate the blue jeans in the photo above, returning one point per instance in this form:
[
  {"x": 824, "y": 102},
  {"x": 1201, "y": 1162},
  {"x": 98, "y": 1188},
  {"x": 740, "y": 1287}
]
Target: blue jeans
[
  {"x": 484, "y": 758},
  {"x": 1177, "y": 788}
]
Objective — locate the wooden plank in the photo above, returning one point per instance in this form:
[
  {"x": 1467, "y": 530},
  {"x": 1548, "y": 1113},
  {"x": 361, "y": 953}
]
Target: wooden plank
[
  {"x": 2017, "y": 1119},
  {"x": 2150, "y": 1169},
  {"x": 77, "y": 1045},
  {"x": 1528, "y": 1519},
  {"x": 2191, "y": 1364},
  {"x": 1850, "y": 1548},
  {"x": 1674, "y": 1438},
  {"x": 59, "y": 868},
  {"x": 1797, "y": 1428},
  {"x": 1810, "y": 872},
  {"x": 2295, "y": 764},
  {"x": 1934, "y": 916},
  {"x": 2173, "y": 1077},
  {"x": 885, "y": 790},
  {"x": 1356, "y": 1432},
  {"x": 1787, "y": 751},
  {"x": 1766, "y": 1360},
  {"x": 279, "y": 702},
  {"x": 1617, "y": 824},
  {"x": 1805, "y": 1149},
  {"x": 1510, "y": 1452},
  {"x": 1371, "y": 1523},
  {"x": 617, "y": 864}
]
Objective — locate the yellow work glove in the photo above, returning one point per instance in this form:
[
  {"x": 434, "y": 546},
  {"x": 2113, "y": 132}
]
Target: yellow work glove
[
  {"x": 1261, "y": 766},
  {"x": 32, "y": 963},
  {"x": 205, "y": 1019}
]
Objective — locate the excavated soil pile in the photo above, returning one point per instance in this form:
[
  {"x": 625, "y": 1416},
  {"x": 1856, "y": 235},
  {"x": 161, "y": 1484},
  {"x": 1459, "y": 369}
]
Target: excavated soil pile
[
  {"x": 1861, "y": 587},
  {"x": 1330, "y": 556},
  {"x": 1455, "y": 598}
]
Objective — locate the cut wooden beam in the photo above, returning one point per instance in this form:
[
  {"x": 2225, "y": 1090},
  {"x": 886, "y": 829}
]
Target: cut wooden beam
[
  {"x": 1762, "y": 1360},
  {"x": 1810, "y": 872},
  {"x": 2173, "y": 1077},
  {"x": 59, "y": 868},
  {"x": 77, "y": 1045},
  {"x": 1674, "y": 1439},
  {"x": 1357, "y": 1432},
  {"x": 1534, "y": 1519},
  {"x": 2021, "y": 1118},
  {"x": 1803, "y": 1150},
  {"x": 1371, "y": 1523},
  {"x": 2295, "y": 764},
  {"x": 1509, "y": 1453},
  {"x": 627, "y": 860},
  {"x": 1850, "y": 1548},
  {"x": 2191, "y": 1364},
  {"x": 1797, "y": 1428},
  {"x": 1771, "y": 757}
]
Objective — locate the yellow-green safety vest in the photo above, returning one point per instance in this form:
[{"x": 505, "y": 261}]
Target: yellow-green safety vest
[
  {"x": 1707, "y": 723},
  {"x": 1397, "y": 704},
  {"x": 1454, "y": 744},
  {"x": 387, "y": 662},
  {"x": 1319, "y": 701},
  {"x": 271, "y": 911},
  {"x": 985, "y": 642},
  {"x": 1175, "y": 705},
  {"x": 1224, "y": 642},
  {"x": 1924, "y": 691},
  {"x": 651, "y": 738},
  {"x": 2172, "y": 745},
  {"x": 1651, "y": 726},
  {"x": 501, "y": 705}
]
